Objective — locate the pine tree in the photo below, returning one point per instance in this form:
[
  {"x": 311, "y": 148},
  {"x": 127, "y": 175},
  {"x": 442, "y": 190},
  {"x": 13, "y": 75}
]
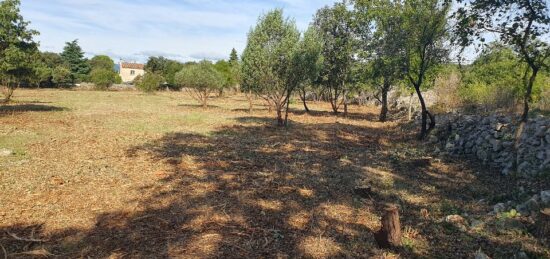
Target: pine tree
[
  {"x": 74, "y": 57},
  {"x": 233, "y": 57}
]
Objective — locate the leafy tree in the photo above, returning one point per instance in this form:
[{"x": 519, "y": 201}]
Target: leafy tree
[
  {"x": 425, "y": 30},
  {"x": 380, "y": 28},
  {"x": 201, "y": 80},
  {"x": 522, "y": 24},
  {"x": 51, "y": 59},
  {"x": 335, "y": 27},
  {"x": 156, "y": 65},
  {"x": 102, "y": 62},
  {"x": 307, "y": 63},
  {"x": 61, "y": 76},
  {"x": 165, "y": 67},
  {"x": 74, "y": 56},
  {"x": 224, "y": 68},
  {"x": 103, "y": 74},
  {"x": 265, "y": 71},
  {"x": 17, "y": 47},
  {"x": 171, "y": 69},
  {"x": 150, "y": 82}
]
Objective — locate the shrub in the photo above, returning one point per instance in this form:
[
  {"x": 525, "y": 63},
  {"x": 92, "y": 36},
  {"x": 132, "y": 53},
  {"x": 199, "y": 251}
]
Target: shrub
[
  {"x": 104, "y": 78},
  {"x": 150, "y": 82},
  {"x": 200, "y": 80},
  {"x": 61, "y": 76}
]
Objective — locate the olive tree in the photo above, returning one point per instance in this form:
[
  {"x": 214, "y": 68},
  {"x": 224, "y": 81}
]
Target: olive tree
[
  {"x": 200, "y": 80},
  {"x": 265, "y": 61}
]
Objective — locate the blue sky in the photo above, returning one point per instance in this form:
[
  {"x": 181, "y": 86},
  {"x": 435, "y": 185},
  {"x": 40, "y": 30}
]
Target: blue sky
[{"x": 136, "y": 29}]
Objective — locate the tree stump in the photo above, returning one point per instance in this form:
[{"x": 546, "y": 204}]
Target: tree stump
[
  {"x": 390, "y": 234},
  {"x": 543, "y": 224}
]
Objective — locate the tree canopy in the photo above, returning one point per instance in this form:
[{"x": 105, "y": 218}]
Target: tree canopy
[
  {"x": 73, "y": 56},
  {"x": 269, "y": 50},
  {"x": 18, "y": 50}
]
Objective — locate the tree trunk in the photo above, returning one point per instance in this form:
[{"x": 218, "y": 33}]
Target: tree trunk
[
  {"x": 334, "y": 100},
  {"x": 389, "y": 236},
  {"x": 287, "y": 105},
  {"x": 345, "y": 102},
  {"x": 280, "y": 121},
  {"x": 410, "y": 106},
  {"x": 249, "y": 97},
  {"x": 384, "y": 110},
  {"x": 527, "y": 98},
  {"x": 424, "y": 130},
  {"x": 543, "y": 223},
  {"x": 303, "y": 97}
]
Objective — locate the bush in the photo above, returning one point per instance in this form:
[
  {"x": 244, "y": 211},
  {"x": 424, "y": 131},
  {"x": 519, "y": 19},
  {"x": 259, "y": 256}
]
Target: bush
[
  {"x": 104, "y": 78},
  {"x": 61, "y": 76},
  {"x": 200, "y": 80},
  {"x": 150, "y": 82}
]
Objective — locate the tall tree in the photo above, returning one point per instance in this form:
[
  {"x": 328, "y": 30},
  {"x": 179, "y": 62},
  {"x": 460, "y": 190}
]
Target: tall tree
[
  {"x": 522, "y": 24},
  {"x": 265, "y": 70},
  {"x": 307, "y": 63},
  {"x": 233, "y": 57},
  {"x": 335, "y": 27},
  {"x": 425, "y": 30},
  {"x": 379, "y": 24},
  {"x": 17, "y": 47},
  {"x": 73, "y": 56}
]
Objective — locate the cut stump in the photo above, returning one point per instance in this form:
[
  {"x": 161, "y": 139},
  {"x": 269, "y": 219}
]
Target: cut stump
[
  {"x": 389, "y": 235},
  {"x": 543, "y": 224}
]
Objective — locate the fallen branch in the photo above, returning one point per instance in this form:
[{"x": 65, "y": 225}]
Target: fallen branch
[{"x": 26, "y": 239}]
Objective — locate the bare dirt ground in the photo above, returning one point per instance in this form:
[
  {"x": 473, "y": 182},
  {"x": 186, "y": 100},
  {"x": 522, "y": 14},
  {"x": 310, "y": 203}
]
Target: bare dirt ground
[{"x": 130, "y": 175}]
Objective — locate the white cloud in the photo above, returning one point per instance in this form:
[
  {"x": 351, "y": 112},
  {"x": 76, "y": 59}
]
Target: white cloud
[{"x": 183, "y": 30}]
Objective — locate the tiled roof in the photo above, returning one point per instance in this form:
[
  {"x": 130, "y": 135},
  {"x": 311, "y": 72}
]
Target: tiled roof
[{"x": 132, "y": 65}]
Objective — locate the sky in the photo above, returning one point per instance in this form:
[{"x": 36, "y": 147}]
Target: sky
[{"x": 133, "y": 30}]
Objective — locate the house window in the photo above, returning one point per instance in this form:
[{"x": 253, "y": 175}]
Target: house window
[{"x": 132, "y": 72}]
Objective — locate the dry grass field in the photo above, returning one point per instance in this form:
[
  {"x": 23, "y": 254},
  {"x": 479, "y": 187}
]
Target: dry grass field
[{"x": 130, "y": 175}]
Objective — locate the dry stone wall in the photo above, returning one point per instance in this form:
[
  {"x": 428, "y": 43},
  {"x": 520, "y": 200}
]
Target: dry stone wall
[{"x": 491, "y": 139}]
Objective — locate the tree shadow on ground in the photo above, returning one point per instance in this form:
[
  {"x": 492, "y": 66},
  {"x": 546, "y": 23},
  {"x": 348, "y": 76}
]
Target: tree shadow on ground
[
  {"x": 29, "y": 107},
  {"x": 198, "y": 106},
  {"x": 350, "y": 115},
  {"x": 255, "y": 190}
]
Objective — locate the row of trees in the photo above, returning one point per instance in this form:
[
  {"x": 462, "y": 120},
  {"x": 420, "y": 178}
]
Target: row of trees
[
  {"x": 383, "y": 43},
  {"x": 21, "y": 63}
]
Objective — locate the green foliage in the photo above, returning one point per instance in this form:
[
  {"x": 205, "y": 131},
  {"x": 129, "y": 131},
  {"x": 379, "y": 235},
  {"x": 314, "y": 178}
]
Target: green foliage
[
  {"x": 270, "y": 48},
  {"x": 522, "y": 24},
  {"x": 150, "y": 82},
  {"x": 104, "y": 78},
  {"x": 335, "y": 28},
  {"x": 61, "y": 76},
  {"x": 224, "y": 68},
  {"x": 233, "y": 57},
  {"x": 201, "y": 79},
  {"x": 102, "y": 62},
  {"x": 167, "y": 68},
  {"x": 73, "y": 56},
  {"x": 17, "y": 47}
]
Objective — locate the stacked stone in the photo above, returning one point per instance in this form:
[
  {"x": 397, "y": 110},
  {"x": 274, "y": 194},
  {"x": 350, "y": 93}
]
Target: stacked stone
[{"x": 491, "y": 139}]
